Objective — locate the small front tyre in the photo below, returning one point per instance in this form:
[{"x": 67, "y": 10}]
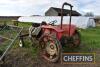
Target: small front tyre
[{"x": 21, "y": 43}]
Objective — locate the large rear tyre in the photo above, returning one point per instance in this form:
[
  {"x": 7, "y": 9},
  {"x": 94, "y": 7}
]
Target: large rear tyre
[
  {"x": 76, "y": 39},
  {"x": 50, "y": 48},
  {"x": 71, "y": 42}
]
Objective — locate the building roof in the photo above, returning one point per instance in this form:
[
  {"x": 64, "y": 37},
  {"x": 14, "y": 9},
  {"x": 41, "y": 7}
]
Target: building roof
[
  {"x": 65, "y": 11},
  {"x": 97, "y": 17}
]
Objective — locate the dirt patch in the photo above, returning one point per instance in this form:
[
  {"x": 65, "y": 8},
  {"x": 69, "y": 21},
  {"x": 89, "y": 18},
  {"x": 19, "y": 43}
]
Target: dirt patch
[
  {"x": 2, "y": 40},
  {"x": 21, "y": 57}
]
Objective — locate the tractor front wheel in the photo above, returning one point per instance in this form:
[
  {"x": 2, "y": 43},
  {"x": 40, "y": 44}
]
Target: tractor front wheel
[{"x": 21, "y": 43}]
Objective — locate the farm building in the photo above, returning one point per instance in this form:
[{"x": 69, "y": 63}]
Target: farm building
[
  {"x": 57, "y": 12},
  {"x": 97, "y": 19}
]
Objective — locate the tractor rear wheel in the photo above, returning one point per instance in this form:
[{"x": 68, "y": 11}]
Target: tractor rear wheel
[
  {"x": 76, "y": 39},
  {"x": 50, "y": 48},
  {"x": 71, "y": 42}
]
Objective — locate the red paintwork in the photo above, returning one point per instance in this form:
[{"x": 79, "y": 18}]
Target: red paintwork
[{"x": 58, "y": 31}]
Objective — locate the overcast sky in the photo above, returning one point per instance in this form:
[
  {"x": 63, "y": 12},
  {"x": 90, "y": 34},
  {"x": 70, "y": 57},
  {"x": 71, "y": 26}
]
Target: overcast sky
[{"x": 38, "y": 7}]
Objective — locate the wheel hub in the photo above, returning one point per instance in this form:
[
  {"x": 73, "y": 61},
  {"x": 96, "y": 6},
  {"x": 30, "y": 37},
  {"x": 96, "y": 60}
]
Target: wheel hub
[
  {"x": 51, "y": 49},
  {"x": 20, "y": 43}
]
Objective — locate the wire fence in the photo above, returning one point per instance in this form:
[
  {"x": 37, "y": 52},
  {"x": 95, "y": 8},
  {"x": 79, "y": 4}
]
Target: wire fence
[{"x": 8, "y": 35}]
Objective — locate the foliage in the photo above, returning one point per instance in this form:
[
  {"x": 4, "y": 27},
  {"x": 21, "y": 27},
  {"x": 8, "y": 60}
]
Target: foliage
[{"x": 89, "y": 14}]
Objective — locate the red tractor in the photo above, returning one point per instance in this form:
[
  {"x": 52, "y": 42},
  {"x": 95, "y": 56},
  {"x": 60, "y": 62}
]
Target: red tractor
[{"x": 53, "y": 37}]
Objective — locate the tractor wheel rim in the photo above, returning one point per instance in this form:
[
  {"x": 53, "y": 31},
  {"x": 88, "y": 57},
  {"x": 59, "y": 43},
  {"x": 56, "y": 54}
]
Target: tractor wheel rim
[
  {"x": 50, "y": 49},
  {"x": 20, "y": 43},
  {"x": 76, "y": 40}
]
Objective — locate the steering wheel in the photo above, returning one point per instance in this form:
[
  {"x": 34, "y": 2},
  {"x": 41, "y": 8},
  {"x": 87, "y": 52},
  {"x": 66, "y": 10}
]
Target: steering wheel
[{"x": 53, "y": 22}]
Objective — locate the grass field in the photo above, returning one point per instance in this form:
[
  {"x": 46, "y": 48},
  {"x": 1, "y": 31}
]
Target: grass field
[
  {"x": 91, "y": 37},
  {"x": 90, "y": 42}
]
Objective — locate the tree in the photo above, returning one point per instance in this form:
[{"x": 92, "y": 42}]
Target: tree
[{"x": 89, "y": 14}]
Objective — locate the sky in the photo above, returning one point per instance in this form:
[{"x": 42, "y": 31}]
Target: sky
[{"x": 39, "y": 7}]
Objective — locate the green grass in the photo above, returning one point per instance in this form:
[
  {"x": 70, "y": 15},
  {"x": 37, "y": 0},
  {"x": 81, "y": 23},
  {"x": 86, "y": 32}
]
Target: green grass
[
  {"x": 91, "y": 37},
  {"x": 26, "y": 24},
  {"x": 3, "y": 46},
  {"x": 90, "y": 41}
]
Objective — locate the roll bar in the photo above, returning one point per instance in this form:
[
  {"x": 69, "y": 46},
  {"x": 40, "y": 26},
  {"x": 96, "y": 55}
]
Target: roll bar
[{"x": 69, "y": 14}]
